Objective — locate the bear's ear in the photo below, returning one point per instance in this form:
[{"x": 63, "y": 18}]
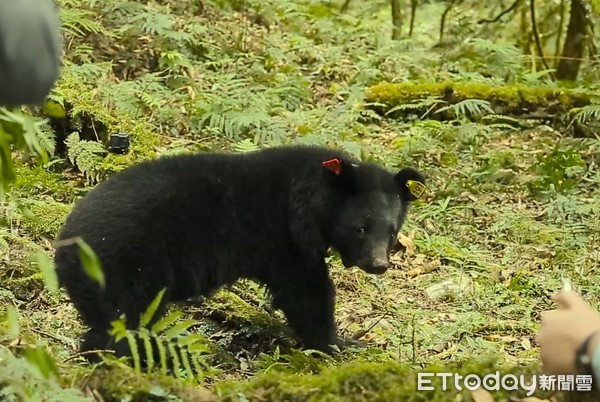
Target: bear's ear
[
  {"x": 341, "y": 173},
  {"x": 334, "y": 166},
  {"x": 411, "y": 183}
]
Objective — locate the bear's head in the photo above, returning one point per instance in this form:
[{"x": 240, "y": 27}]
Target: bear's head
[{"x": 373, "y": 206}]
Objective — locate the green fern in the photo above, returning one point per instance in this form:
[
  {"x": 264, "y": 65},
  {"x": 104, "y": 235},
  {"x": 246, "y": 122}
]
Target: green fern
[
  {"x": 501, "y": 122},
  {"x": 85, "y": 155},
  {"x": 46, "y": 137},
  {"x": 417, "y": 105},
  {"x": 179, "y": 352},
  {"x": 26, "y": 133},
  {"x": 152, "y": 23},
  {"x": 489, "y": 47},
  {"x": 438, "y": 129},
  {"x": 468, "y": 108},
  {"x": 80, "y": 23},
  {"x": 245, "y": 146},
  {"x": 4, "y": 247},
  {"x": 22, "y": 379},
  {"x": 588, "y": 113}
]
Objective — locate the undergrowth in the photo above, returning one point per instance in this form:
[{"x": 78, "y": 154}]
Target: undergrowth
[{"x": 510, "y": 213}]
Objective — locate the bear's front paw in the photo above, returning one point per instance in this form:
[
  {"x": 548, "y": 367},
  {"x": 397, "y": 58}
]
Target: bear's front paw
[{"x": 346, "y": 342}]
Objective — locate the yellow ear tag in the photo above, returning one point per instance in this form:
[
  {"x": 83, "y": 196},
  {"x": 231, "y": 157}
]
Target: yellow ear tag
[{"x": 416, "y": 188}]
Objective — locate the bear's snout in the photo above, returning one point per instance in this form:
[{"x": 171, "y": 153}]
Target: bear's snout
[{"x": 377, "y": 266}]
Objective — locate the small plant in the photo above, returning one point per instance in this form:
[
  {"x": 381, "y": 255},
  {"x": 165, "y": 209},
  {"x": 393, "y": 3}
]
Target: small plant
[
  {"x": 26, "y": 133},
  {"x": 179, "y": 352},
  {"x": 86, "y": 155},
  {"x": 297, "y": 361},
  {"x": 589, "y": 113},
  {"x": 468, "y": 109},
  {"x": 557, "y": 171}
]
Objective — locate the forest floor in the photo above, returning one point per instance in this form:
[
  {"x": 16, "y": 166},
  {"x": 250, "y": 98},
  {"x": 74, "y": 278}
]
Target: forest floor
[{"x": 509, "y": 216}]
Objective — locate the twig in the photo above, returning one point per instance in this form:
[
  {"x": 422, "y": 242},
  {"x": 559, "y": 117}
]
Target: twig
[
  {"x": 87, "y": 352},
  {"x": 414, "y": 340},
  {"x": 360, "y": 334},
  {"x": 502, "y": 13},
  {"x": 536, "y": 37},
  {"x": 61, "y": 339}
]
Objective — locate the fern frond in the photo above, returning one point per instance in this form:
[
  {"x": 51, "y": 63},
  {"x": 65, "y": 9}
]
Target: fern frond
[
  {"x": 79, "y": 23},
  {"x": 468, "y": 107},
  {"x": 245, "y": 146},
  {"x": 486, "y": 46},
  {"x": 417, "y": 105},
  {"x": 501, "y": 117},
  {"x": 503, "y": 126},
  {"x": 46, "y": 137},
  {"x": 85, "y": 155},
  {"x": 588, "y": 113}
]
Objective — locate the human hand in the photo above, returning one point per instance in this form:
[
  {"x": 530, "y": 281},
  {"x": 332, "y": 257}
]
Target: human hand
[{"x": 564, "y": 330}]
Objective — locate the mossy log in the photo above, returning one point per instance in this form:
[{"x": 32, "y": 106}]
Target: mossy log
[
  {"x": 399, "y": 100},
  {"x": 361, "y": 381}
]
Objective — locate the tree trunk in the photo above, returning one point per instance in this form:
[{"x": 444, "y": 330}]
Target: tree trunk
[
  {"x": 396, "y": 19},
  {"x": 575, "y": 41},
  {"x": 345, "y": 6},
  {"x": 413, "y": 12}
]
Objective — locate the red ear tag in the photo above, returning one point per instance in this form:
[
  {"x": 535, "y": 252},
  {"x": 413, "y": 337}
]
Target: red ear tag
[{"x": 333, "y": 165}]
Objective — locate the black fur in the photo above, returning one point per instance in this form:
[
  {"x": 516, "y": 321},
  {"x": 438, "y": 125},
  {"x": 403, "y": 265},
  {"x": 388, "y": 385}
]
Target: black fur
[{"x": 197, "y": 222}]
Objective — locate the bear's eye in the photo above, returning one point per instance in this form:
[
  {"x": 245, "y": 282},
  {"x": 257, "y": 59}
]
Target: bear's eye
[{"x": 361, "y": 230}]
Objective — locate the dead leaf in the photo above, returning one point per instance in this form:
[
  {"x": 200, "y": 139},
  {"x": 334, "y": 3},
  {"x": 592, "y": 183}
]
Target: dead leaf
[
  {"x": 500, "y": 338},
  {"x": 449, "y": 349},
  {"x": 427, "y": 267},
  {"x": 526, "y": 343},
  {"x": 407, "y": 243},
  {"x": 458, "y": 286},
  {"x": 482, "y": 395},
  {"x": 368, "y": 337},
  {"x": 507, "y": 275},
  {"x": 439, "y": 348}
]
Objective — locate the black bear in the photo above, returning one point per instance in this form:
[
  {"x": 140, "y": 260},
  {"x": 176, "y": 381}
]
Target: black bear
[{"x": 194, "y": 223}]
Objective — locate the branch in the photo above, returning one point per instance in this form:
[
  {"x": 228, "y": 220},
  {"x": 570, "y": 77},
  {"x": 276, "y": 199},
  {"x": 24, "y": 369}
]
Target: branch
[
  {"x": 443, "y": 20},
  {"x": 345, "y": 6},
  {"x": 561, "y": 23},
  {"x": 536, "y": 36},
  {"x": 502, "y": 13}
]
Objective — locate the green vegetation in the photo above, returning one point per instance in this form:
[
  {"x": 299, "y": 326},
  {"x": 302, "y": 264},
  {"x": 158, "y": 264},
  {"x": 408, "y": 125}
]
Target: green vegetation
[{"x": 511, "y": 211}]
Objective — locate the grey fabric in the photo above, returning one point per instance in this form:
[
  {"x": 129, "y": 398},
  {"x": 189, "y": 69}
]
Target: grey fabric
[{"x": 30, "y": 46}]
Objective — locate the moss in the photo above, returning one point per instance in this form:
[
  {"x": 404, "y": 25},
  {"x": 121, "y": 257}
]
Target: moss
[
  {"x": 24, "y": 287},
  {"x": 360, "y": 381},
  {"x": 44, "y": 218},
  {"x": 35, "y": 180},
  {"x": 231, "y": 307},
  {"x": 118, "y": 382},
  {"x": 81, "y": 99},
  {"x": 17, "y": 273},
  {"x": 143, "y": 145},
  {"x": 515, "y": 98}
]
